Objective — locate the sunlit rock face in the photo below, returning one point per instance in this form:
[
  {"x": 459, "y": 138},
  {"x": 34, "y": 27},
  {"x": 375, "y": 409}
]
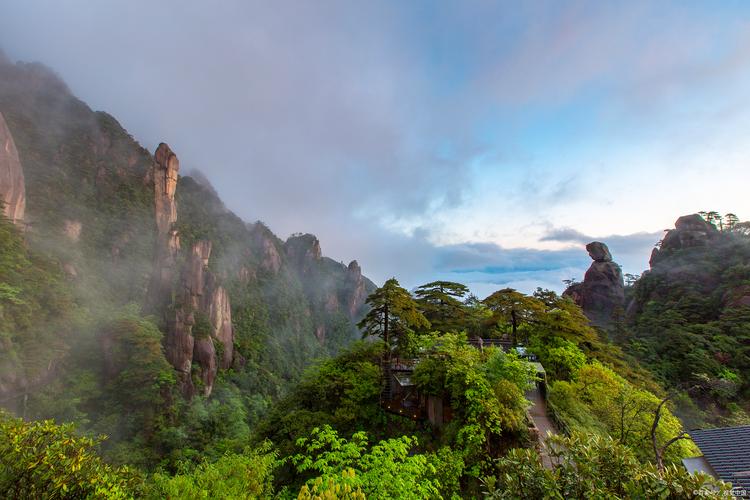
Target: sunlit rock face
[
  {"x": 196, "y": 306},
  {"x": 12, "y": 187},
  {"x": 602, "y": 293},
  {"x": 164, "y": 172}
]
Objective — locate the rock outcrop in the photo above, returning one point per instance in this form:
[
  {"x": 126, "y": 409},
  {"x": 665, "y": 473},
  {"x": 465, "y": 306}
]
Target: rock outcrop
[
  {"x": 197, "y": 309},
  {"x": 12, "y": 186},
  {"x": 302, "y": 252},
  {"x": 164, "y": 175},
  {"x": 355, "y": 290},
  {"x": 689, "y": 231},
  {"x": 602, "y": 293}
]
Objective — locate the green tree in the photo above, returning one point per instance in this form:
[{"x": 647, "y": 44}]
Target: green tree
[
  {"x": 45, "y": 460},
  {"x": 387, "y": 470},
  {"x": 393, "y": 317},
  {"x": 442, "y": 304},
  {"x": 243, "y": 476},
  {"x": 514, "y": 308},
  {"x": 585, "y": 466},
  {"x": 730, "y": 220}
]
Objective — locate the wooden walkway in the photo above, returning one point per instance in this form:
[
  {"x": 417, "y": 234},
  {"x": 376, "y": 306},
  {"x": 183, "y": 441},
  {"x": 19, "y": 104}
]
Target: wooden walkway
[{"x": 543, "y": 423}]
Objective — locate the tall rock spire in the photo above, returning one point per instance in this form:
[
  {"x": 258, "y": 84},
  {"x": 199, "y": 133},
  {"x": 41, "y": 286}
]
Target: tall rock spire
[
  {"x": 12, "y": 188},
  {"x": 164, "y": 173},
  {"x": 196, "y": 307}
]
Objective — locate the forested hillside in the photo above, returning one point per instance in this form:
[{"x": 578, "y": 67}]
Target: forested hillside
[
  {"x": 217, "y": 360},
  {"x": 688, "y": 317},
  {"x": 89, "y": 335}
]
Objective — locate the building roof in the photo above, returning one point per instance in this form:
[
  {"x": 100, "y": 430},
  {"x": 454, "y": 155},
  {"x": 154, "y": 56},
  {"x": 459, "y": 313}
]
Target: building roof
[
  {"x": 698, "y": 464},
  {"x": 727, "y": 450}
]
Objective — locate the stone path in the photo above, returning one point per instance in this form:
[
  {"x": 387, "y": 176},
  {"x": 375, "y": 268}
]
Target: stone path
[{"x": 538, "y": 412}]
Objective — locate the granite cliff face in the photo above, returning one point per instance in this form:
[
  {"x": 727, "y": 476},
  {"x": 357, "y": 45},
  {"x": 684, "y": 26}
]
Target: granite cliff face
[
  {"x": 197, "y": 310},
  {"x": 12, "y": 186},
  {"x": 601, "y": 295},
  {"x": 338, "y": 290},
  {"x": 123, "y": 227},
  {"x": 355, "y": 290},
  {"x": 164, "y": 175},
  {"x": 303, "y": 252}
]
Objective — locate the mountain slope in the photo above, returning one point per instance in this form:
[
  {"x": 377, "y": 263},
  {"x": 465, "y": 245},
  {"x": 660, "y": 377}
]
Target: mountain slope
[
  {"x": 689, "y": 318},
  {"x": 93, "y": 224}
]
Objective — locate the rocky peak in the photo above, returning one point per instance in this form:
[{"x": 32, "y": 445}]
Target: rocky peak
[
  {"x": 163, "y": 175},
  {"x": 355, "y": 290},
  {"x": 302, "y": 250},
  {"x": 198, "y": 311},
  {"x": 353, "y": 270},
  {"x": 270, "y": 258},
  {"x": 602, "y": 291},
  {"x": 165, "y": 170},
  {"x": 689, "y": 231},
  {"x": 12, "y": 186}
]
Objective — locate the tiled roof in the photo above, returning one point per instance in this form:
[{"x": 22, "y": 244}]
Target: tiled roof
[{"x": 727, "y": 450}]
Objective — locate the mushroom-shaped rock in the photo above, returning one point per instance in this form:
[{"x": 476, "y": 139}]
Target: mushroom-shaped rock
[
  {"x": 599, "y": 252},
  {"x": 602, "y": 292}
]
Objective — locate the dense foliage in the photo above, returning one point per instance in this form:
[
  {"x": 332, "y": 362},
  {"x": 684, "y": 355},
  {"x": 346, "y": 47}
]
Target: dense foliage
[
  {"x": 593, "y": 467},
  {"x": 690, "y": 324},
  {"x": 304, "y": 412}
]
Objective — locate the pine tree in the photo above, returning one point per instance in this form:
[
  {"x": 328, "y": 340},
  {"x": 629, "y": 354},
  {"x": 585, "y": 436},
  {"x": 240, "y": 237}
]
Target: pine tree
[
  {"x": 511, "y": 306},
  {"x": 393, "y": 316},
  {"x": 441, "y": 303}
]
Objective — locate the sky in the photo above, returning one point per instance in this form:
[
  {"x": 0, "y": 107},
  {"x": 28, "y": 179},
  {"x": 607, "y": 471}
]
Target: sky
[{"x": 481, "y": 142}]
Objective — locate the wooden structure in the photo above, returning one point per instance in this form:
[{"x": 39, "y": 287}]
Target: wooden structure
[{"x": 400, "y": 395}]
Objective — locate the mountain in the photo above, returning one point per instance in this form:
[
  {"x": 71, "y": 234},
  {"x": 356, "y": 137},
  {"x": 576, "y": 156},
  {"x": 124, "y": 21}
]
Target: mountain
[
  {"x": 689, "y": 317},
  {"x": 111, "y": 239}
]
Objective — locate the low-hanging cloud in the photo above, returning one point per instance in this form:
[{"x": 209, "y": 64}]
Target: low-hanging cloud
[{"x": 370, "y": 124}]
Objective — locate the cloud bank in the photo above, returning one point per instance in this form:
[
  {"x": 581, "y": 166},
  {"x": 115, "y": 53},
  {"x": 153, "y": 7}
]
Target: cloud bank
[{"x": 477, "y": 140}]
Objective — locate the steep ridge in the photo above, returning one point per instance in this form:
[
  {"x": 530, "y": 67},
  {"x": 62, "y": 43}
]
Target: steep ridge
[
  {"x": 125, "y": 227},
  {"x": 688, "y": 317},
  {"x": 12, "y": 186}
]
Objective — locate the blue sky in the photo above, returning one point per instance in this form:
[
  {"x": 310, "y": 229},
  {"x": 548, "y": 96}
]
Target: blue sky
[{"x": 485, "y": 142}]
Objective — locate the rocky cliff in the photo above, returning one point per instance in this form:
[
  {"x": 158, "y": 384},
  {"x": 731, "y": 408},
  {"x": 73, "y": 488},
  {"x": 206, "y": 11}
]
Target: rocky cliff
[
  {"x": 689, "y": 314},
  {"x": 601, "y": 295},
  {"x": 164, "y": 175},
  {"x": 120, "y": 226},
  {"x": 356, "y": 290},
  {"x": 12, "y": 186},
  {"x": 197, "y": 310},
  {"x": 689, "y": 231}
]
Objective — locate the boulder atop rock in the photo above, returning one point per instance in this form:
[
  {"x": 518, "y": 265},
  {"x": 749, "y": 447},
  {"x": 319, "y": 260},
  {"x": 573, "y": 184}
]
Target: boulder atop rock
[
  {"x": 602, "y": 292},
  {"x": 599, "y": 251},
  {"x": 12, "y": 185},
  {"x": 693, "y": 222}
]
